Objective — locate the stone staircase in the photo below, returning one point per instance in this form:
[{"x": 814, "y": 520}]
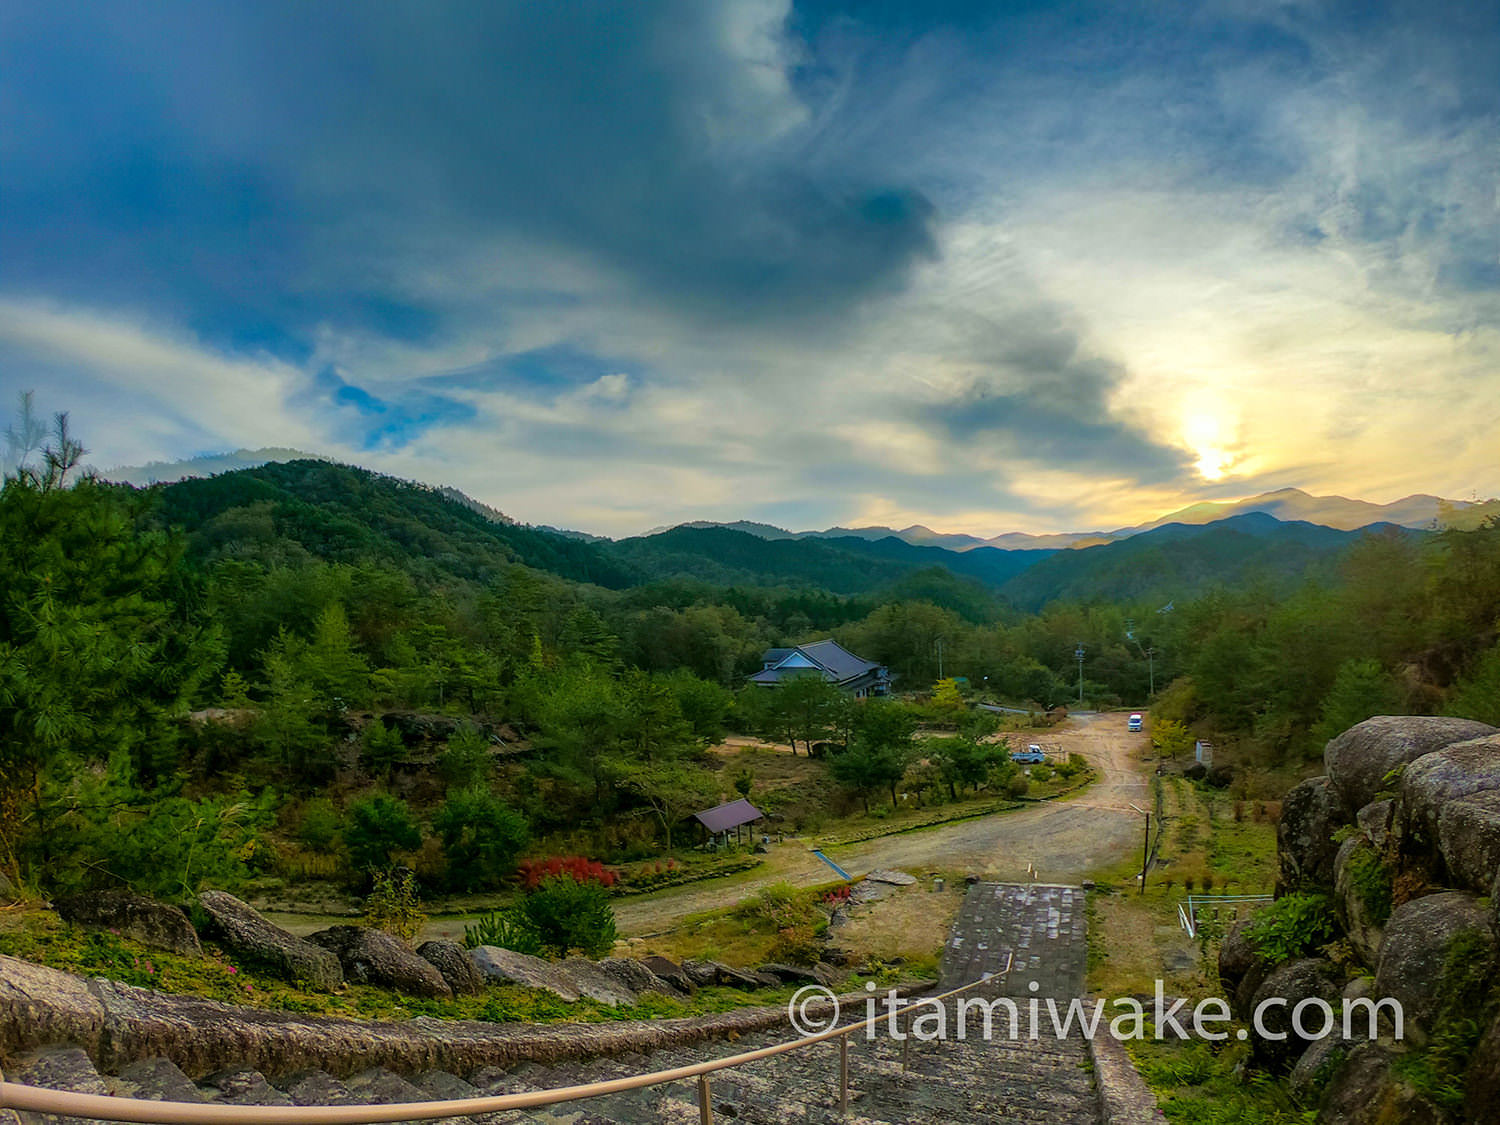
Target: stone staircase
[
  {"x": 943, "y": 1082},
  {"x": 954, "y": 1083}
]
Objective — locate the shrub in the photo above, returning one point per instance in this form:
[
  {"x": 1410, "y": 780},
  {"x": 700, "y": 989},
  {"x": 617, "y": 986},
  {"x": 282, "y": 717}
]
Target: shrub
[
  {"x": 379, "y": 825},
  {"x": 796, "y": 945},
  {"x": 393, "y": 905},
  {"x": 507, "y": 929},
  {"x": 576, "y": 867},
  {"x": 319, "y": 826},
  {"x": 465, "y": 760},
  {"x": 481, "y": 835},
  {"x": 1018, "y": 786},
  {"x": 382, "y": 746},
  {"x": 1292, "y": 926},
  {"x": 567, "y": 915},
  {"x": 780, "y": 905},
  {"x": 1041, "y": 772},
  {"x": 1372, "y": 882}
]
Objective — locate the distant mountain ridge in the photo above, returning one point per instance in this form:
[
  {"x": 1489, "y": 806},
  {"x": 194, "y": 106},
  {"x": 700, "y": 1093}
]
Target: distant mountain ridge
[{"x": 1290, "y": 505}]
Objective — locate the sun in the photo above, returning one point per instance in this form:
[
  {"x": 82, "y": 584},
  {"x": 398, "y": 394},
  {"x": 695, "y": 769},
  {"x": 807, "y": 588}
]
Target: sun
[{"x": 1204, "y": 435}]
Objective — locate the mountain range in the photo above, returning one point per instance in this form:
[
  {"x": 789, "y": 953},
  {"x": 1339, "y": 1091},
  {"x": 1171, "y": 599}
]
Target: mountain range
[
  {"x": 1419, "y": 511},
  {"x": 285, "y": 510}
]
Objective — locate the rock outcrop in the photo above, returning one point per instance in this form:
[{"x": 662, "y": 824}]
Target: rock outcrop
[
  {"x": 1445, "y": 775},
  {"x": 1359, "y": 761},
  {"x": 1405, "y": 832},
  {"x": 370, "y": 956},
  {"x": 242, "y": 930},
  {"x": 453, "y": 962},
  {"x": 1304, "y": 836},
  {"x": 149, "y": 922},
  {"x": 1419, "y": 946}
]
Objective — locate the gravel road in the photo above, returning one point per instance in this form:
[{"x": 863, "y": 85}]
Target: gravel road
[{"x": 1066, "y": 840}]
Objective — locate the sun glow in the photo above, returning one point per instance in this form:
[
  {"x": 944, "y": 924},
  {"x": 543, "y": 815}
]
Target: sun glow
[{"x": 1204, "y": 435}]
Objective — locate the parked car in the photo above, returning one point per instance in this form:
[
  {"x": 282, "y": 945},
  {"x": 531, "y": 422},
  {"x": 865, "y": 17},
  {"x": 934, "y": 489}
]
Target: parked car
[
  {"x": 1135, "y": 722},
  {"x": 1031, "y": 756}
]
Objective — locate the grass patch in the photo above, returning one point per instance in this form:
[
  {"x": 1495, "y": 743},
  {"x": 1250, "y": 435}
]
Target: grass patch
[
  {"x": 41, "y": 937},
  {"x": 1205, "y": 1084}
]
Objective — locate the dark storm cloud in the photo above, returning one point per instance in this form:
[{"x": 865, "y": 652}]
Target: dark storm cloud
[
  {"x": 253, "y": 155},
  {"x": 1032, "y": 384}
]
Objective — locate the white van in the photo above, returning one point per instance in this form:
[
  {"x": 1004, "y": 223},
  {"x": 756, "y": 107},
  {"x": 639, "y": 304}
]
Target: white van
[{"x": 1135, "y": 722}]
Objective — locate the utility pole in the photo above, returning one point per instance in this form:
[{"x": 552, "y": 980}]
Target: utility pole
[
  {"x": 1079, "y": 654},
  {"x": 1151, "y": 667},
  {"x": 940, "y": 657},
  {"x": 1146, "y": 847},
  {"x": 1146, "y": 853}
]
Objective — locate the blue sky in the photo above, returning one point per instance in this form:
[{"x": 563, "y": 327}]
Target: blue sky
[{"x": 984, "y": 266}]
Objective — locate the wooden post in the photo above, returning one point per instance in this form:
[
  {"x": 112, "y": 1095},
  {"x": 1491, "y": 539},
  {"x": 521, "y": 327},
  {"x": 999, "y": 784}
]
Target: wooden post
[{"x": 705, "y": 1107}]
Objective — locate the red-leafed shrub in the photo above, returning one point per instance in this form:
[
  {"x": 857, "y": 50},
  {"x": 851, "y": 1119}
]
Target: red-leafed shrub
[
  {"x": 837, "y": 896},
  {"x": 580, "y": 868}
]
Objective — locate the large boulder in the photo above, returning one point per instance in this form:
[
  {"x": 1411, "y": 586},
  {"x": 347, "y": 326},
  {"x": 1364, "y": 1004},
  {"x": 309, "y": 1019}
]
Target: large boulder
[
  {"x": 1310, "y": 978},
  {"x": 1375, "y": 821},
  {"x": 1241, "y": 967},
  {"x": 1358, "y": 761},
  {"x": 244, "y": 932},
  {"x": 1469, "y": 838},
  {"x": 1432, "y": 781},
  {"x": 152, "y": 923},
  {"x": 634, "y": 975},
  {"x": 670, "y": 972},
  {"x": 452, "y": 960},
  {"x": 1482, "y": 1081},
  {"x": 1420, "y": 944},
  {"x": 371, "y": 956},
  {"x": 705, "y": 973},
  {"x": 506, "y": 966},
  {"x": 1304, "y": 836},
  {"x": 1362, "y": 897},
  {"x": 597, "y": 983},
  {"x": 1366, "y": 1091}
]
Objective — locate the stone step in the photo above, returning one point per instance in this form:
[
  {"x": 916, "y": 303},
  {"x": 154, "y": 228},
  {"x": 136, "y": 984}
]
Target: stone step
[
  {"x": 242, "y": 1087},
  {"x": 156, "y": 1080},
  {"x": 56, "y": 1068}
]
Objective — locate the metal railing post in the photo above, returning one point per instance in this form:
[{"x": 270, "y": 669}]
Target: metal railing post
[
  {"x": 705, "y": 1106},
  {"x": 905, "y": 1043},
  {"x": 843, "y": 1074}
]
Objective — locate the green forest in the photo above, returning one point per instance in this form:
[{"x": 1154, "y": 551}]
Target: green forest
[{"x": 309, "y": 668}]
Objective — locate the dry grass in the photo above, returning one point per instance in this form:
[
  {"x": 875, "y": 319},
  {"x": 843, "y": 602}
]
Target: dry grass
[
  {"x": 1134, "y": 938},
  {"x": 910, "y": 925}
]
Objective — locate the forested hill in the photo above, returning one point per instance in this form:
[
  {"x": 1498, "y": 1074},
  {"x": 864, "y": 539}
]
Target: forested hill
[
  {"x": 725, "y": 556},
  {"x": 293, "y": 510},
  {"x": 1181, "y": 560}
]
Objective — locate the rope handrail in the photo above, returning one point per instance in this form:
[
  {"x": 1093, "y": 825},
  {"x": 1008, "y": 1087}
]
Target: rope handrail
[{"x": 102, "y": 1107}]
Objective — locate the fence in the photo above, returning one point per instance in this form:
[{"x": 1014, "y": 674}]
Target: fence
[{"x": 1191, "y": 912}]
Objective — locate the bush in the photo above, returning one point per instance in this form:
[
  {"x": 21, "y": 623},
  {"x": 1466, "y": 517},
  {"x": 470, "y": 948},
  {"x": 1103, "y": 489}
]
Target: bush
[
  {"x": 319, "y": 826},
  {"x": 481, "y": 835},
  {"x": 382, "y": 746},
  {"x": 393, "y": 905},
  {"x": 1018, "y": 785},
  {"x": 465, "y": 760},
  {"x": 780, "y": 905},
  {"x": 1041, "y": 772},
  {"x": 507, "y": 929},
  {"x": 378, "y": 826},
  {"x": 1292, "y": 926},
  {"x": 576, "y": 867},
  {"x": 567, "y": 915}
]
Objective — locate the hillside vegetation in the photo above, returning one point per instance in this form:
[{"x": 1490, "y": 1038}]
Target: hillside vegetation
[{"x": 305, "y": 669}]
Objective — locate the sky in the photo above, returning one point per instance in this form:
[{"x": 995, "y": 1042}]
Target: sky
[{"x": 985, "y": 267}]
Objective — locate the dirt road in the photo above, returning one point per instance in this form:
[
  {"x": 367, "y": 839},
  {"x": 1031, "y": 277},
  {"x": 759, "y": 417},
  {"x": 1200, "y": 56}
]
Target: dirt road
[{"x": 1066, "y": 840}]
